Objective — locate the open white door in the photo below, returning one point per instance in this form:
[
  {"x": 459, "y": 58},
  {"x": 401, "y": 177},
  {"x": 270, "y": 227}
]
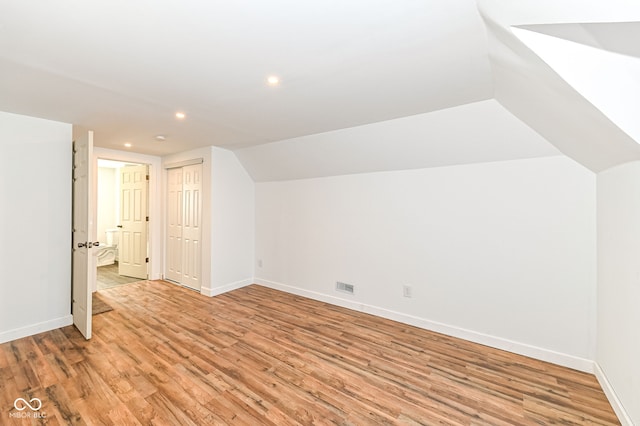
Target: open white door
[
  {"x": 83, "y": 265},
  {"x": 132, "y": 247}
]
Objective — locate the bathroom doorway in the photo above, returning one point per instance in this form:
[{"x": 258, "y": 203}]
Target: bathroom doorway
[{"x": 121, "y": 223}]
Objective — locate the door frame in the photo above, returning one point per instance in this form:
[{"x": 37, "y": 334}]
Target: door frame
[{"x": 156, "y": 233}]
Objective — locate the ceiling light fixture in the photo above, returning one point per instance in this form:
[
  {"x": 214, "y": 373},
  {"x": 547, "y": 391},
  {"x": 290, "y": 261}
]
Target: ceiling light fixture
[
  {"x": 273, "y": 80},
  {"x": 160, "y": 138},
  {"x": 180, "y": 115},
  {"x": 127, "y": 145}
]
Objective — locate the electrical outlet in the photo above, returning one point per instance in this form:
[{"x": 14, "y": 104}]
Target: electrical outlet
[{"x": 406, "y": 291}]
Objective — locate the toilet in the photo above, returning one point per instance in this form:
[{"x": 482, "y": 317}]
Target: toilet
[{"x": 107, "y": 254}]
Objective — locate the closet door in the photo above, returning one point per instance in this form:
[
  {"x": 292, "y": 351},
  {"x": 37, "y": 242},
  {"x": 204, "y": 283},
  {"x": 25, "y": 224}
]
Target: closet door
[
  {"x": 174, "y": 226},
  {"x": 183, "y": 244},
  {"x": 191, "y": 228}
]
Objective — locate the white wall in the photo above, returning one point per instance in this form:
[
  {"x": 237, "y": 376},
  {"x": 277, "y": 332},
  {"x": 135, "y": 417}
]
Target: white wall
[
  {"x": 233, "y": 223},
  {"x": 618, "y": 354},
  {"x": 502, "y": 253},
  {"x": 35, "y": 236}
]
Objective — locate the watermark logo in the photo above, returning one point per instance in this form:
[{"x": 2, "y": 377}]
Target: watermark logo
[{"x": 21, "y": 404}]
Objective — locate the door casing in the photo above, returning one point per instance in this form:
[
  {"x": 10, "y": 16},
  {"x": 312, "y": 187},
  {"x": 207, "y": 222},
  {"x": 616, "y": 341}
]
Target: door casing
[{"x": 155, "y": 201}]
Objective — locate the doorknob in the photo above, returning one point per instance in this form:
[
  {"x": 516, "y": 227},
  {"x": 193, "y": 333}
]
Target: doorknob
[
  {"x": 118, "y": 226},
  {"x": 80, "y": 245}
]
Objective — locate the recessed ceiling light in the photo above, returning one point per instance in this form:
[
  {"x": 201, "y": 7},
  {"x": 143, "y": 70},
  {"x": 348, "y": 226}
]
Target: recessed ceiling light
[
  {"x": 161, "y": 138},
  {"x": 273, "y": 80},
  {"x": 128, "y": 145},
  {"x": 180, "y": 115}
]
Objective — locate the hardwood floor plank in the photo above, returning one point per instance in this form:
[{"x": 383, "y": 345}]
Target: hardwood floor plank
[
  {"x": 8, "y": 389},
  {"x": 58, "y": 399},
  {"x": 25, "y": 376},
  {"x": 166, "y": 355},
  {"x": 238, "y": 402}
]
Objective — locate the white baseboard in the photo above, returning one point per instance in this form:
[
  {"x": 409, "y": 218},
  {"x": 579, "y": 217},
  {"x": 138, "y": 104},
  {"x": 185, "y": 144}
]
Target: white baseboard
[
  {"x": 30, "y": 330},
  {"x": 616, "y": 404},
  {"x": 542, "y": 354},
  {"x": 225, "y": 288}
]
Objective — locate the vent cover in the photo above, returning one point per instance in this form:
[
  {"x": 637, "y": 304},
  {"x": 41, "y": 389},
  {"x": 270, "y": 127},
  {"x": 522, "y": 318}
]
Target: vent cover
[{"x": 344, "y": 287}]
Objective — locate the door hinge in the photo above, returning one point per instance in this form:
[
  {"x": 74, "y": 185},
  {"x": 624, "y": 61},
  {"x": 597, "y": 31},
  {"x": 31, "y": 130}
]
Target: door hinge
[
  {"x": 146, "y": 260},
  {"x": 147, "y": 177},
  {"x": 147, "y": 218}
]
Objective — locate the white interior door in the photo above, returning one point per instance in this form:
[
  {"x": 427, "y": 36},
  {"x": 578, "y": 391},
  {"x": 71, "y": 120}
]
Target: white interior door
[
  {"x": 191, "y": 227},
  {"x": 184, "y": 222},
  {"x": 83, "y": 261},
  {"x": 132, "y": 246},
  {"x": 174, "y": 225}
]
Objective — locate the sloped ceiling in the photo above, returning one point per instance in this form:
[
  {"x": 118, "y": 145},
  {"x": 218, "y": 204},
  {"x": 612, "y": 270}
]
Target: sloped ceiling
[
  {"x": 618, "y": 37},
  {"x": 471, "y": 133},
  {"x": 608, "y": 80},
  {"x": 535, "y": 93},
  {"x": 365, "y": 85}
]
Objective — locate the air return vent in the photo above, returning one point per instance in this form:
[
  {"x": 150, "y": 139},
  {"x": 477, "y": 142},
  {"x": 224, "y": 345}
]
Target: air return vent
[{"x": 344, "y": 287}]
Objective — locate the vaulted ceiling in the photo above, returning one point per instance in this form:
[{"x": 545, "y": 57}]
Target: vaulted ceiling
[{"x": 364, "y": 85}]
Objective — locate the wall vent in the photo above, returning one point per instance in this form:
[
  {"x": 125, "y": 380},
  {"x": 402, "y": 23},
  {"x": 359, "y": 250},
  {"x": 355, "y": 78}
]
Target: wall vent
[{"x": 344, "y": 287}]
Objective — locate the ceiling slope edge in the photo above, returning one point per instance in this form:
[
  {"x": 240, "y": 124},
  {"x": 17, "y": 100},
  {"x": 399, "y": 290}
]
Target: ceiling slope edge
[
  {"x": 608, "y": 80},
  {"x": 472, "y": 133},
  {"x": 535, "y": 93},
  {"x": 618, "y": 37}
]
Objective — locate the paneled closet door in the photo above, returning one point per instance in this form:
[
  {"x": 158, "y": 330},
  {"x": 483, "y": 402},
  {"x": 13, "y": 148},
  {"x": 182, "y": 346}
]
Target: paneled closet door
[
  {"x": 173, "y": 269},
  {"x": 192, "y": 226},
  {"x": 184, "y": 226}
]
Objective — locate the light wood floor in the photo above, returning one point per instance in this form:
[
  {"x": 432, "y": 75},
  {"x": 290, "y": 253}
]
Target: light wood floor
[
  {"x": 107, "y": 277},
  {"x": 255, "y": 356}
]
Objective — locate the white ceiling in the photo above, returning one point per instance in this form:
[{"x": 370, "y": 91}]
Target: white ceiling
[
  {"x": 450, "y": 78},
  {"x": 123, "y": 68}
]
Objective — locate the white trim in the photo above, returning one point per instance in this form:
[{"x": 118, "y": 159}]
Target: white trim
[
  {"x": 616, "y": 404},
  {"x": 184, "y": 163},
  {"x": 40, "y": 327},
  {"x": 225, "y": 288},
  {"x": 542, "y": 354}
]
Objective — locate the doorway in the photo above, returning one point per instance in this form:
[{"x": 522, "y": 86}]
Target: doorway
[{"x": 122, "y": 223}]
